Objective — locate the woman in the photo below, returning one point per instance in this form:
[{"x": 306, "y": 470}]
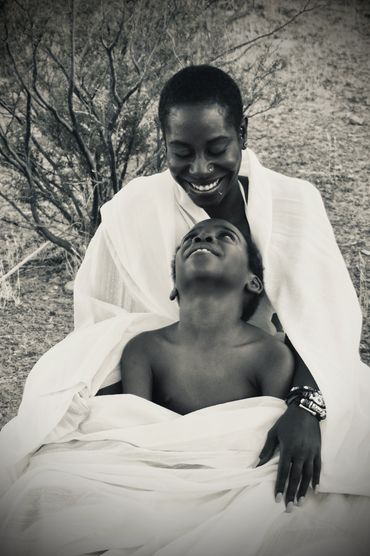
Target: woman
[
  {"x": 124, "y": 283},
  {"x": 205, "y": 132}
]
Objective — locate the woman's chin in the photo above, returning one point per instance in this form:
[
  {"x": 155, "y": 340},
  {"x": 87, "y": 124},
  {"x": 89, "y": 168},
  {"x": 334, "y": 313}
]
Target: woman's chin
[{"x": 204, "y": 200}]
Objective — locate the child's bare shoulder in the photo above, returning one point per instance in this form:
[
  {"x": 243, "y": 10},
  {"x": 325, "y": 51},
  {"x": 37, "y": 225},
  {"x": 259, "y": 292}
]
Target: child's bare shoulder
[
  {"x": 145, "y": 342},
  {"x": 273, "y": 364},
  {"x": 268, "y": 348}
]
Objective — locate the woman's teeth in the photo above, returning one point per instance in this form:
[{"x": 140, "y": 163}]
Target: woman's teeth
[{"x": 207, "y": 187}]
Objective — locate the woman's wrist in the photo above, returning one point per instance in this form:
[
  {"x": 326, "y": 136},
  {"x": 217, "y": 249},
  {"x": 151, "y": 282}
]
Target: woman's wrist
[{"x": 308, "y": 398}]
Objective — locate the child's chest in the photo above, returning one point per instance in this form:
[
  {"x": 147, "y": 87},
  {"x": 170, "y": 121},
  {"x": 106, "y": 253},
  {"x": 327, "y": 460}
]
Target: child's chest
[{"x": 191, "y": 378}]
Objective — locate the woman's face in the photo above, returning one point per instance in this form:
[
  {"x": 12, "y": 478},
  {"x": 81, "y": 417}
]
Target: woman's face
[{"x": 203, "y": 151}]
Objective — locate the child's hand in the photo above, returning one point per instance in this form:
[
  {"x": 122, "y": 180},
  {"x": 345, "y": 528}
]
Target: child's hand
[{"x": 297, "y": 434}]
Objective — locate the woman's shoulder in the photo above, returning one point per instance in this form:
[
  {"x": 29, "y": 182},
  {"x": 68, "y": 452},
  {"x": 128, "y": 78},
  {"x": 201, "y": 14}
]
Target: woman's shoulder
[
  {"x": 140, "y": 190},
  {"x": 147, "y": 185},
  {"x": 298, "y": 186},
  {"x": 280, "y": 184}
]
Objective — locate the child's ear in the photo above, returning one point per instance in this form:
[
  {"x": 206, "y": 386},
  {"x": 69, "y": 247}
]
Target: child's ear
[
  {"x": 174, "y": 293},
  {"x": 254, "y": 285}
]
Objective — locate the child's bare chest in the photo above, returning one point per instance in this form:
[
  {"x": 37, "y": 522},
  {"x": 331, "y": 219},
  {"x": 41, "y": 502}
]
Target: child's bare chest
[{"x": 191, "y": 377}]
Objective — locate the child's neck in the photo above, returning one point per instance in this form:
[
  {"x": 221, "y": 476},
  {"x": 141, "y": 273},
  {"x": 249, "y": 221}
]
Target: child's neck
[{"x": 209, "y": 317}]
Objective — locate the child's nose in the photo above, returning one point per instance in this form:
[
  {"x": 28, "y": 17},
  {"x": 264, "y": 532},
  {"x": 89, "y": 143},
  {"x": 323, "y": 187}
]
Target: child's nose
[{"x": 203, "y": 236}]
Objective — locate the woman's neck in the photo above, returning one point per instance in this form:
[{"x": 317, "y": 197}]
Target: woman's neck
[{"x": 231, "y": 207}]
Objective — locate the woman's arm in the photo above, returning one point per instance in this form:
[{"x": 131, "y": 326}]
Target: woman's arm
[
  {"x": 298, "y": 435},
  {"x": 302, "y": 375}
]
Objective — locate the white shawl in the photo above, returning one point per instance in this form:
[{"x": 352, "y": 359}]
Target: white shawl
[
  {"x": 136, "y": 479},
  {"x": 123, "y": 285}
]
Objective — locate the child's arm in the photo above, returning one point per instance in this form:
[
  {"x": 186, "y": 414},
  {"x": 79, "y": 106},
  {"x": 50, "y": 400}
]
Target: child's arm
[
  {"x": 136, "y": 369},
  {"x": 277, "y": 370}
]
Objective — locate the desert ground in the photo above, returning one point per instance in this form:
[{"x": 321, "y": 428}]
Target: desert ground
[{"x": 320, "y": 132}]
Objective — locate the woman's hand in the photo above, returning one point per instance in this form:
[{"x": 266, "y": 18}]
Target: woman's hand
[{"x": 297, "y": 434}]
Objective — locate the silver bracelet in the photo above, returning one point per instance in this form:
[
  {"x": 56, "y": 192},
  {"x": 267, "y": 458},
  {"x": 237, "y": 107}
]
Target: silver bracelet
[{"x": 308, "y": 398}]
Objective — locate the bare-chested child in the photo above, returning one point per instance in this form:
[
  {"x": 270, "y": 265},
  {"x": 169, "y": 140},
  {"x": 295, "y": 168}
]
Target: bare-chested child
[{"x": 211, "y": 355}]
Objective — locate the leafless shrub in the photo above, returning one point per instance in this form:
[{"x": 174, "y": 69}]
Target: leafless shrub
[{"x": 78, "y": 87}]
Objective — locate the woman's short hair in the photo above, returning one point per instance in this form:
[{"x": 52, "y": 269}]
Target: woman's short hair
[{"x": 201, "y": 84}]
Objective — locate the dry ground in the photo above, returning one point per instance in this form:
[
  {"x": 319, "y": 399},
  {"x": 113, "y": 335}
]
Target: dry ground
[{"x": 320, "y": 132}]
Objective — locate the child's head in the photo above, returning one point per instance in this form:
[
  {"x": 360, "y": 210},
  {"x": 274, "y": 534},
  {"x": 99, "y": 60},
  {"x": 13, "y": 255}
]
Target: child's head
[{"x": 215, "y": 251}]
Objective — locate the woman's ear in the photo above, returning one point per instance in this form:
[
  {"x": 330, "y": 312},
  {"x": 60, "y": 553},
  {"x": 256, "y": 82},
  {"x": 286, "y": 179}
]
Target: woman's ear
[
  {"x": 244, "y": 132},
  {"x": 254, "y": 285},
  {"x": 174, "y": 294}
]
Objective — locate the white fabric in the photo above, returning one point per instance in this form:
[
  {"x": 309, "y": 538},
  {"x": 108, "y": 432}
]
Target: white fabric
[
  {"x": 137, "y": 479},
  {"x": 122, "y": 288}
]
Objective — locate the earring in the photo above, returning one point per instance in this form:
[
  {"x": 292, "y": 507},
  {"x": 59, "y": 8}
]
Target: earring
[
  {"x": 242, "y": 135},
  {"x": 174, "y": 294}
]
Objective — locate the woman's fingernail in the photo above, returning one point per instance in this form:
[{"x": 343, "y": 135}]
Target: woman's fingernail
[
  {"x": 301, "y": 500},
  {"x": 279, "y": 497},
  {"x": 290, "y": 507}
]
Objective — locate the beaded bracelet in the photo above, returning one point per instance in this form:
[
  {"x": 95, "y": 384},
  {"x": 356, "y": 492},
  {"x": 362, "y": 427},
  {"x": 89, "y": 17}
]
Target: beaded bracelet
[{"x": 309, "y": 399}]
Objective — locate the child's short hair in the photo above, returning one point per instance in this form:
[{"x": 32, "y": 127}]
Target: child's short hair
[
  {"x": 256, "y": 266},
  {"x": 201, "y": 84}
]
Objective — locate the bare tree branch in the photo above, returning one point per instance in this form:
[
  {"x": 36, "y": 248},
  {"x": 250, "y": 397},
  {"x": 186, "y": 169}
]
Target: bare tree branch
[
  {"x": 75, "y": 130},
  {"x": 273, "y": 31}
]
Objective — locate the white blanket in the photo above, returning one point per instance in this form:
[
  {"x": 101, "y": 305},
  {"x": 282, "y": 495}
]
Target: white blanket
[
  {"x": 137, "y": 479},
  {"x": 123, "y": 286}
]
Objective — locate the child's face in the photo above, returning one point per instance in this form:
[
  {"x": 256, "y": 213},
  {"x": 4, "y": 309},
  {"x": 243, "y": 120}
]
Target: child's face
[
  {"x": 203, "y": 152},
  {"x": 213, "y": 249}
]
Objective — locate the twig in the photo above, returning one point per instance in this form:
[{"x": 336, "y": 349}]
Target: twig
[
  {"x": 24, "y": 261},
  {"x": 280, "y": 27}
]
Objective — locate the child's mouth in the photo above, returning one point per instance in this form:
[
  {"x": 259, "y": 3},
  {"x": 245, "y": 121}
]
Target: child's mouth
[{"x": 202, "y": 250}]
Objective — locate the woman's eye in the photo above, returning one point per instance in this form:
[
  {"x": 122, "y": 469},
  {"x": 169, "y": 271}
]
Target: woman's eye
[
  {"x": 217, "y": 153},
  {"x": 182, "y": 155}
]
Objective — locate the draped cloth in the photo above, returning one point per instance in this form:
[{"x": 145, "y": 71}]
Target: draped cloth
[
  {"x": 122, "y": 288},
  {"x": 138, "y": 479}
]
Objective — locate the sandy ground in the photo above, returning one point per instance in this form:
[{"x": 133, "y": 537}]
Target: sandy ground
[{"x": 320, "y": 132}]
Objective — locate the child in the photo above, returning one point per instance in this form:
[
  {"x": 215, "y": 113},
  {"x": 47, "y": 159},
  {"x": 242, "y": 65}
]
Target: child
[{"x": 211, "y": 355}]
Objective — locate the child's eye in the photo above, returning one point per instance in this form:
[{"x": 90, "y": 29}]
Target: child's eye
[
  {"x": 227, "y": 235},
  {"x": 187, "y": 239}
]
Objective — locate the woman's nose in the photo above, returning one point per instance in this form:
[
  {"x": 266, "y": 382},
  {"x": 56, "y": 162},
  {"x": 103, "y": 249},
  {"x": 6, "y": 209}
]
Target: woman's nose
[{"x": 200, "y": 167}]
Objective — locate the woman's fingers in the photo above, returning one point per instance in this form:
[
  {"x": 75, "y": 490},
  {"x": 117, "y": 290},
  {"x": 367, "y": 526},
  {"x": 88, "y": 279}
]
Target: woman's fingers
[
  {"x": 299, "y": 474},
  {"x": 316, "y": 472},
  {"x": 282, "y": 474},
  {"x": 295, "y": 477},
  {"x": 307, "y": 474}
]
